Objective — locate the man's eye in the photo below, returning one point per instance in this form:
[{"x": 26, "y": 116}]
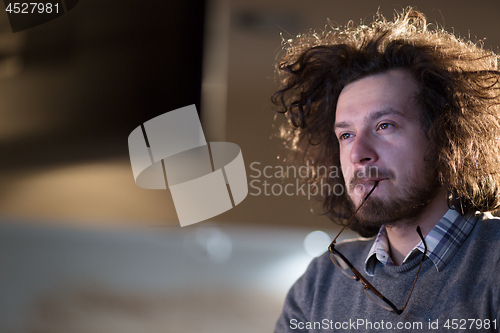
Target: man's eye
[
  {"x": 344, "y": 136},
  {"x": 385, "y": 126}
]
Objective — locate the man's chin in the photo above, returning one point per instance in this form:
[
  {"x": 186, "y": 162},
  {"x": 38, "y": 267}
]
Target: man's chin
[{"x": 376, "y": 212}]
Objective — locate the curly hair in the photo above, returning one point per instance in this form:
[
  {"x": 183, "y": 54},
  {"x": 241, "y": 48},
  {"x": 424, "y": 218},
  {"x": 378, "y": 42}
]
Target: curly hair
[{"x": 459, "y": 100}]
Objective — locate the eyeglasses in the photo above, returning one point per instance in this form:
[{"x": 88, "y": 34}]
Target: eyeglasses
[{"x": 348, "y": 269}]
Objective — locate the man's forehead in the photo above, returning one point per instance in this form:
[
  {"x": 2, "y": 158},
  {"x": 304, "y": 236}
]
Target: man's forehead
[{"x": 374, "y": 96}]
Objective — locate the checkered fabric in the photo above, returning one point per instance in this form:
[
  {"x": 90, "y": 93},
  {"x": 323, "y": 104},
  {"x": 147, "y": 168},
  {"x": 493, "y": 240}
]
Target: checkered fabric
[{"x": 443, "y": 241}]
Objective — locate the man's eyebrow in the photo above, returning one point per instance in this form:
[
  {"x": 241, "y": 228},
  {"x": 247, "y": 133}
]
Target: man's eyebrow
[
  {"x": 342, "y": 124},
  {"x": 370, "y": 117},
  {"x": 381, "y": 113}
]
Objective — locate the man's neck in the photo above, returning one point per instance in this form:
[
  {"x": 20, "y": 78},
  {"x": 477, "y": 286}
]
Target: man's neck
[{"x": 403, "y": 237}]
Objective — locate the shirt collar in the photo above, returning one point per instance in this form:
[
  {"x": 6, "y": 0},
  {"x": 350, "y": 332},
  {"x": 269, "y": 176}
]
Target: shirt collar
[{"x": 443, "y": 241}]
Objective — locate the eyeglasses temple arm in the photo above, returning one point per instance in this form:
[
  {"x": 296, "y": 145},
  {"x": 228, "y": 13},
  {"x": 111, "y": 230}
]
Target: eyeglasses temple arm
[
  {"x": 349, "y": 221},
  {"x": 423, "y": 257}
]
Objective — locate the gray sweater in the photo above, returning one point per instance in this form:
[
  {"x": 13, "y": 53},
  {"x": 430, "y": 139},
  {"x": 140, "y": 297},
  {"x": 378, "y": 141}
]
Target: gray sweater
[{"x": 463, "y": 297}]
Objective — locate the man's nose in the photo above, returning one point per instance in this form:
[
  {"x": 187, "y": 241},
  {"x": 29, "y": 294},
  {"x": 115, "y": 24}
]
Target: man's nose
[{"x": 363, "y": 150}]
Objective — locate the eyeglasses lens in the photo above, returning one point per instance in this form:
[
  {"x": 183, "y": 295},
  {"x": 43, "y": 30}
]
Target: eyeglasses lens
[
  {"x": 342, "y": 265},
  {"x": 380, "y": 302}
]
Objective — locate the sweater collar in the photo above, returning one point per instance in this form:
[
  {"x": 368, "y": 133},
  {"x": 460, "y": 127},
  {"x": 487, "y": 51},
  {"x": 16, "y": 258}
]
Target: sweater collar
[{"x": 443, "y": 241}]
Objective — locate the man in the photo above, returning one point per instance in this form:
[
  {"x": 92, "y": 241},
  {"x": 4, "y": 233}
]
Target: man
[{"x": 412, "y": 116}]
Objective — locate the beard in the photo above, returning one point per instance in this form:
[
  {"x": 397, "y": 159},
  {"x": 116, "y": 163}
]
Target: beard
[{"x": 402, "y": 208}]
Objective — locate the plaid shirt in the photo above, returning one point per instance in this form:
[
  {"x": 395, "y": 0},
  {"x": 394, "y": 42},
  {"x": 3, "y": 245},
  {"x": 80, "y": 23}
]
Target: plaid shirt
[{"x": 443, "y": 241}]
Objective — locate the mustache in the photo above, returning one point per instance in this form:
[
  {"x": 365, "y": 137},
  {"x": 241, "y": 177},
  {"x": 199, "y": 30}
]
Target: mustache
[{"x": 370, "y": 173}]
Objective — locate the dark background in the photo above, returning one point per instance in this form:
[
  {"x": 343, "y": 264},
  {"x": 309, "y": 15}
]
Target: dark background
[{"x": 119, "y": 64}]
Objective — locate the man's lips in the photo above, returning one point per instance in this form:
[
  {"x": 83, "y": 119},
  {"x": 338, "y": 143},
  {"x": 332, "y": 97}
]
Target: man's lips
[
  {"x": 370, "y": 180},
  {"x": 364, "y": 185}
]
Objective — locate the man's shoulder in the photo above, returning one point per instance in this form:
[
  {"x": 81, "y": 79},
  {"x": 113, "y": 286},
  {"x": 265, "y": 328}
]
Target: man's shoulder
[
  {"x": 488, "y": 227},
  {"x": 356, "y": 242},
  {"x": 355, "y": 250},
  {"x": 482, "y": 244},
  {"x": 350, "y": 248},
  {"x": 488, "y": 216},
  {"x": 321, "y": 271},
  {"x": 355, "y": 247}
]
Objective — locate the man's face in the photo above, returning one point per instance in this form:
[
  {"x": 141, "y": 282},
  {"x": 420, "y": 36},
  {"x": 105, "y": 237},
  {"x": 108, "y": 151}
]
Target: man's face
[{"x": 381, "y": 139}]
